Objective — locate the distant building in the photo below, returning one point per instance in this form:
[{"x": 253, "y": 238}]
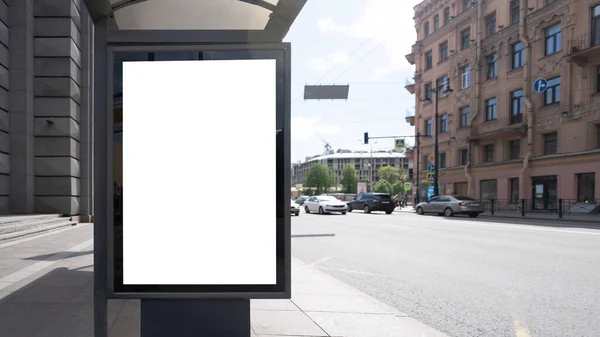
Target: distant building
[{"x": 361, "y": 160}]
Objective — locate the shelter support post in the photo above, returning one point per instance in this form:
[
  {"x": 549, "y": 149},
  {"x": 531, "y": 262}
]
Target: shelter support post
[{"x": 191, "y": 318}]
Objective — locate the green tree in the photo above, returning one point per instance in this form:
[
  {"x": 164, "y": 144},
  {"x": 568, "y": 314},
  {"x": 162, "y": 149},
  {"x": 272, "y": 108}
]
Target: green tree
[
  {"x": 349, "y": 179},
  {"x": 318, "y": 177},
  {"x": 398, "y": 188},
  {"x": 383, "y": 186},
  {"x": 389, "y": 173}
]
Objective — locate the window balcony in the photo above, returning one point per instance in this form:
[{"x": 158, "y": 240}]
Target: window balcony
[
  {"x": 499, "y": 128},
  {"x": 410, "y": 117},
  {"x": 410, "y": 86},
  {"x": 584, "y": 50}
]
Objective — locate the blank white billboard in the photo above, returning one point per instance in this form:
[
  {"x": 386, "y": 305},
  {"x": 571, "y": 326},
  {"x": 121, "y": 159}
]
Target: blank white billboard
[{"x": 199, "y": 172}]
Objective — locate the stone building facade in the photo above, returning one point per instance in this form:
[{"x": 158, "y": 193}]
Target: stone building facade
[{"x": 46, "y": 121}]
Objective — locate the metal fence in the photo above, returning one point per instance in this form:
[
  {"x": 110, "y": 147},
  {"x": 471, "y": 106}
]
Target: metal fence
[{"x": 558, "y": 207}]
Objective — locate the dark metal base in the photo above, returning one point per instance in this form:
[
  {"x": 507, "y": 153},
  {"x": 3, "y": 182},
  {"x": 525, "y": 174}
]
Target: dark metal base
[{"x": 187, "y": 318}]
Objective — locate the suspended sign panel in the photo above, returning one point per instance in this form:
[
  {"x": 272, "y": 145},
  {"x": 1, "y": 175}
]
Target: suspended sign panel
[
  {"x": 326, "y": 91},
  {"x": 183, "y": 121}
]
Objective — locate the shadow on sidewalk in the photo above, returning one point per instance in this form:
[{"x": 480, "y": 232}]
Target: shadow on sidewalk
[
  {"x": 53, "y": 257},
  {"x": 57, "y": 304},
  {"x": 556, "y": 223}
]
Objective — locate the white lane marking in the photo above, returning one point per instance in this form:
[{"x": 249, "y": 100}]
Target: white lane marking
[
  {"x": 24, "y": 273},
  {"x": 351, "y": 271},
  {"x": 520, "y": 329},
  {"x": 319, "y": 261},
  {"x": 521, "y": 226}
]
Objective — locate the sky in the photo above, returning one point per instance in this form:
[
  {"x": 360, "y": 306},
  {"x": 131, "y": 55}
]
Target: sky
[{"x": 362, "y": 43}]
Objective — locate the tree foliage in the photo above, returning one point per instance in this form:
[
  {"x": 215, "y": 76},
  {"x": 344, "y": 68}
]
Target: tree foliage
[
  {"x": 349, "y": 179},
  {"x": 383, "y": 186},
  {"x": 398, "y": 188},
  {"x": 389, "y": 173},
  {"x": 319, "y": 177}
]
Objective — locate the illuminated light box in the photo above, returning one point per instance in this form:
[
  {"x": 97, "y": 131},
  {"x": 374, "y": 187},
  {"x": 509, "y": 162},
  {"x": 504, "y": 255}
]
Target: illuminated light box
[{"x": 195, "y": 133}]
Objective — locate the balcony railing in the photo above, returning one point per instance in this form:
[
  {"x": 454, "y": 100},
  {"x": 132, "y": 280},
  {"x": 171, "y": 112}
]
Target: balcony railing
[
  {"x": 500, "y": 126},
  {"x": 410, "y": 86},
  {"x": 581, "y": 48}
]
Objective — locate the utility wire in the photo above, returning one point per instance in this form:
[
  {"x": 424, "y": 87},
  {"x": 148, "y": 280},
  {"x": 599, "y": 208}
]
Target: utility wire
[
  {"x": 359, "y": 60},
  {"x": 337, "y": 65}
]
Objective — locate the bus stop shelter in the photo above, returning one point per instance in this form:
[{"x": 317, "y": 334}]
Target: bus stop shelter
[{"x": 174, "y": 26}]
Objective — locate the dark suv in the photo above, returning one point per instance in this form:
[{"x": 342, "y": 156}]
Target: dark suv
[{"x": 369, "y": 202}]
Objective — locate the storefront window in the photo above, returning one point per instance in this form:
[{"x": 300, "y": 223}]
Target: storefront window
[
  {"x": 586, "y": 183},
  {"x": 489, "y": 189},
  {"x": 514, "y": 189}
]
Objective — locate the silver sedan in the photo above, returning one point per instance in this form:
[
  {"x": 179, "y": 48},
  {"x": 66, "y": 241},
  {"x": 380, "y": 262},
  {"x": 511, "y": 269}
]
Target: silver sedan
[
  {"x": 449, "y": 205},
  {"x": 325, "y": 204}
]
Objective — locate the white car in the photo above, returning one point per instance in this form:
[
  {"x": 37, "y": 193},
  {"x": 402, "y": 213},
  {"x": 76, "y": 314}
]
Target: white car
[
  {"x": 325, "y": 204},
  {"x": 295, "y": 208}
]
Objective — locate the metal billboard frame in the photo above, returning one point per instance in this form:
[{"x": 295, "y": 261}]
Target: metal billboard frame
[{"x": 104, "y": 159}]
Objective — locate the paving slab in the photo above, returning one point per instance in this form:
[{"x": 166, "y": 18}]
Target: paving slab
[{"x": 51, "y": 295}]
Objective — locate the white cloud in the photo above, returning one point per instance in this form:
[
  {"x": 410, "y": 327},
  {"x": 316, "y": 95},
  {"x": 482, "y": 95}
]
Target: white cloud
[
  {"x": 386, "y": 22},
  {"x": 311, "y": 129},
  {"x": 332, "y": 60}
]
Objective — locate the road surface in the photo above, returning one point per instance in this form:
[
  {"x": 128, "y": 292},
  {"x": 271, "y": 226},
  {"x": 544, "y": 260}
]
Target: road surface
[{"x": 465, "y": 277}]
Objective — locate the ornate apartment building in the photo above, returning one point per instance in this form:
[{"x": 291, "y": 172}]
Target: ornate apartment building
[{"x": 522, "y": 118}]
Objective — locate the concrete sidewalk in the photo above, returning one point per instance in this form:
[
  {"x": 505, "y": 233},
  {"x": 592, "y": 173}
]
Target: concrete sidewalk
[{"x": 46, "y": 286}]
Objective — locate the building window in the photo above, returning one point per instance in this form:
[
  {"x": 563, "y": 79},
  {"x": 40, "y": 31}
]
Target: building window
[
  {"x": 516, "y": 106},
  {"x": 464, "y": 116},
  {"x": 489, "y": 189},
  {"x": 446, "y": 15},
  {"x": 444, "y": 51},
  {"x": 553, "y": 39},
  {"x": 598, "y": 136},
  {"x": 465, "y": 38},
  {"x": 428, "y": 59},
  {"x": 427, "y": 32},
  {"x": 553, "y": 91},
  {"x": 550, "y": 2},
  {"x": 492, "y": 66},
  {"x": 490, "y": 109},
  {"x": 488, "y": 153},
  {"x": 468, "y": 4},
  {"x": 463, "y": 157},
  {"x": 595, "y": 25},
  {"x": 518, "y": 58},
  {"x": 466, "y": 77},
  {"x": 514, "y": 149},
  {"x": 436, "y": 22},
  {"x": 550, "y": 143},
  {"x": 443, "y": 160},
  {"x": 514, "y": 11},
  {"x": 443, "y": 84},
  {"x": 428, "y": 90},
  {"x": 586, "y": 191},
  {"x": 490, "y": 25},
  {"x": 598, "y": 79},
  {"x": 514, "y": 189},
  {"x": 444, "y": 123},
  {"x": 428, "y": 129}
]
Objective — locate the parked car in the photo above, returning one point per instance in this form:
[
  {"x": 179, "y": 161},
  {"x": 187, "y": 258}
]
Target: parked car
[
  {"x": 301, "y": 199},
  {"x": 369, "y": 202},
  {"x": 295, "y": 208},
  {"x": 449, "y": 205},
  {"x": 324, "y": 204}
]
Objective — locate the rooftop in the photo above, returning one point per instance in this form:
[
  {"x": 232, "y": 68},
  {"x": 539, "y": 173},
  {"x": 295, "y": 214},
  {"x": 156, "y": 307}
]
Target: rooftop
[{"x": 358, "y": 154}]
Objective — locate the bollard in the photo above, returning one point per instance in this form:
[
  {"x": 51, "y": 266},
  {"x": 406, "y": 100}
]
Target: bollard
[
  {"x": 492, "y": 208},
  {"x": 560, "y": 208},
  {"x": 522, "y": 207}
]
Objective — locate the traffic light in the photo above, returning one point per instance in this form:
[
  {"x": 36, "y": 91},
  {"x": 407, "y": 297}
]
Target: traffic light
[{"x": 366, "y": 138}]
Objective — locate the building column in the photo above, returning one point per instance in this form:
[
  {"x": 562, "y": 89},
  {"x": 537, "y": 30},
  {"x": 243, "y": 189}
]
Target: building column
[
  {"x": 21, "y": 110},
  {"x": 57, "y": 109}
]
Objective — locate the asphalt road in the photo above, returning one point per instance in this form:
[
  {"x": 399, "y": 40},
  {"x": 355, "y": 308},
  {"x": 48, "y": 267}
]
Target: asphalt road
[{"x": 465, "y": 277}]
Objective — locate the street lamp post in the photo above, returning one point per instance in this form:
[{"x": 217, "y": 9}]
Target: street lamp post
[{"x": 444, "y": 88}]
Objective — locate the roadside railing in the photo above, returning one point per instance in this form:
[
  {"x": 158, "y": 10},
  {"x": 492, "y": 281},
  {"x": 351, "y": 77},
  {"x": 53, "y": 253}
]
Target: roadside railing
[{"x": 556, "y": 207}]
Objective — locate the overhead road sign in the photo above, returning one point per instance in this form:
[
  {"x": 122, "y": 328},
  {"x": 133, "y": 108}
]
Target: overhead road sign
[{"x": 399, "y": 143}]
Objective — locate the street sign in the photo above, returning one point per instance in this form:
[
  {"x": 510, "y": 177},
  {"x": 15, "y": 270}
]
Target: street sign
[
  {"x": 540, "y": 85},
  {"x": 430, "y": 176},
  {"x": 430, "y": 167},
  {"x": 399, "y": 143},
  {"x": 431, "y": 159},
  {"x": 407, "y": 186}
]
